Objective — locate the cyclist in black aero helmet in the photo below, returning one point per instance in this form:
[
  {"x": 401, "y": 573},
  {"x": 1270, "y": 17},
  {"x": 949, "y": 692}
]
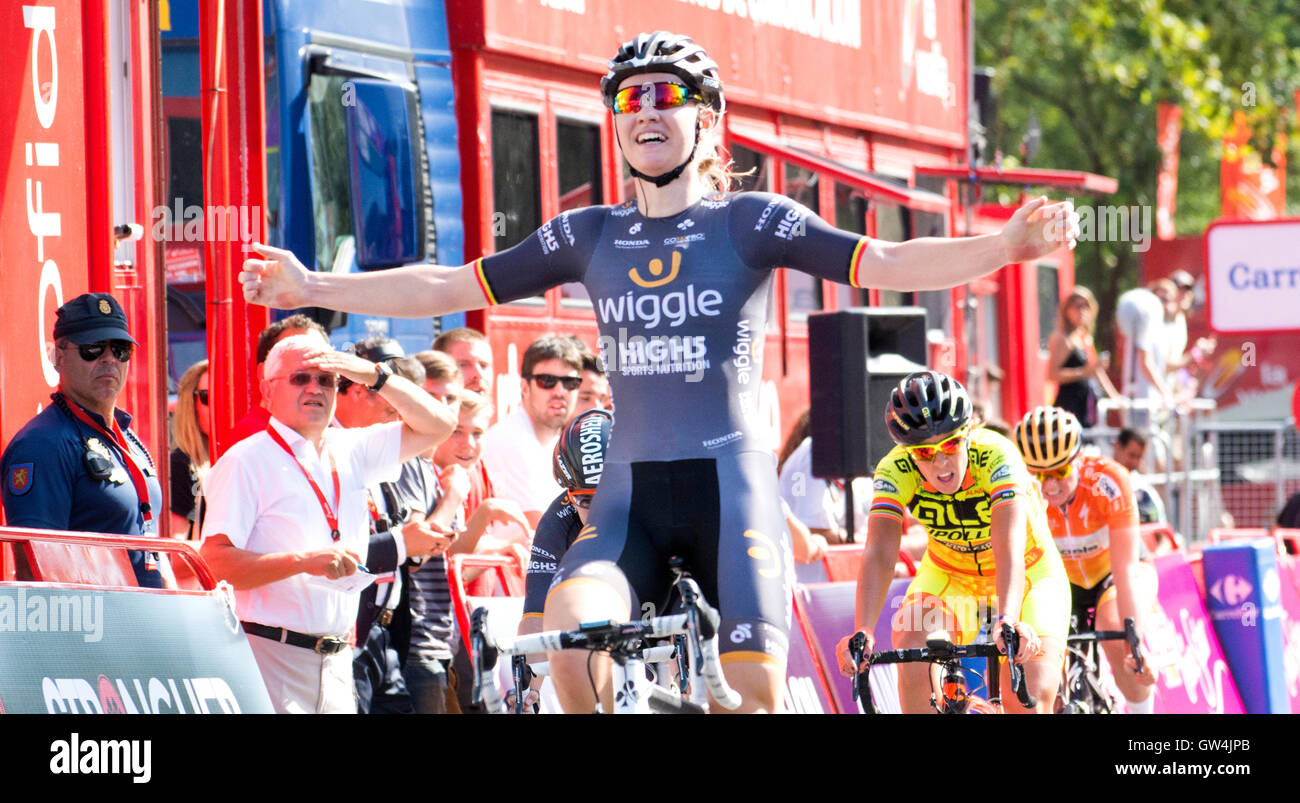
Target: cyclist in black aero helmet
[
  {"x": 989, "y": 547},
  {"x": 679, "y": 278},
  {"x": 578, "y": 462}
]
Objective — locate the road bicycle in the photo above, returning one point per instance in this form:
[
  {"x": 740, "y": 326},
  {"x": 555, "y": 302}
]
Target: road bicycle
[
  {"x": 952, "y": 696},
  {"x": 631, "y": 645},
  {"x": 1082, "y": 691}
]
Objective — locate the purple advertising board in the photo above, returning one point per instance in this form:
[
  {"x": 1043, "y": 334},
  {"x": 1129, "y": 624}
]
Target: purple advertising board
[
  {"x": 828, "y": 608},
  {"x": 1192, "y": 676},
  {"x": 1244, "y": 597},
  {"x": 805, "y": 693}
]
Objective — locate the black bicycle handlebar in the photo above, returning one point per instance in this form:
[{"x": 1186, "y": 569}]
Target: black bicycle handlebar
[
  {"x": 861, "y": 680},
  {"x": 1129, "y": 634}
]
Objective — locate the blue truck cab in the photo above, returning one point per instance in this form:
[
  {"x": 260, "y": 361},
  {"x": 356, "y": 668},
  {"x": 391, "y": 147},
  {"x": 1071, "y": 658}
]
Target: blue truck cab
[{"x": 363, "y": 170}]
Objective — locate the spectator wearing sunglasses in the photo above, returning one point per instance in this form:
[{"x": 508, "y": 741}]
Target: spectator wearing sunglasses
[
  {"x": 254, "y": 421},
  {"x": 78, "y": 465},
  {"x": 287, "y": 516},
  {"x": 190, "y": 459},
  {"x": 517, "y": 451}
]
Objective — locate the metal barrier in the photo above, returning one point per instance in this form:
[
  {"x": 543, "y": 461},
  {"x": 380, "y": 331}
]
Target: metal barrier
[
  {"x": 1210, "y": 473},
  {"x": 96, "y": 558}
]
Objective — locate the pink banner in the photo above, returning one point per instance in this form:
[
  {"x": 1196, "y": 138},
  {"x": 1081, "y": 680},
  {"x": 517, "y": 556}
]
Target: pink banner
[
  {"x": 1289, "y": 582},
  {"x": 1192, "y": 675}
]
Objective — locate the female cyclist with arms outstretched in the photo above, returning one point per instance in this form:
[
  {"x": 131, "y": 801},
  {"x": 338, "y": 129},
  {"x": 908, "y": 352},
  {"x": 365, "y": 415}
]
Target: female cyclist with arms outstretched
[{"x": 680, "y": 279}]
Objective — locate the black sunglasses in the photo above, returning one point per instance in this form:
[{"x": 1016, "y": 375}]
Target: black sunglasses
[
  {"x": 547, "y": 381},
  {"x": 121, "y": 349},
  {"x": 301, "y": 379},
  {"x": 202, "y": 396}
]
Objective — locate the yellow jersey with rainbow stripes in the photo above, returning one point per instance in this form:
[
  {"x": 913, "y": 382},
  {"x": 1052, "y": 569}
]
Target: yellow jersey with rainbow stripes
[{"x": 959, "y": 523}]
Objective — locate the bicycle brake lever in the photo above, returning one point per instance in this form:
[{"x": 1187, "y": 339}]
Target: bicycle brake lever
[
  {"x": 857, "y": 644},
  {"x": 1018, "y": 682},
  {"x": 484, "y": 653},
  {"x": 1134, "y": 643}
]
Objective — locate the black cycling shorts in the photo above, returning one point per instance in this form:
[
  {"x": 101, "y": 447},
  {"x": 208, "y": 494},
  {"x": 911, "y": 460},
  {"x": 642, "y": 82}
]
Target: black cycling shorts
[{"x": 722, "y": 516}]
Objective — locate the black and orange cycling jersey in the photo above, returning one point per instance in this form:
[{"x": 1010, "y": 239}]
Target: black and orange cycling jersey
[{"x": 682, "y": 303}]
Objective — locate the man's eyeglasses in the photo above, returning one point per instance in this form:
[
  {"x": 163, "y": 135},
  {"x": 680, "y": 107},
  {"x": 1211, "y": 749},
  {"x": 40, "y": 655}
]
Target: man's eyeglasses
[
  {"x": 121, "y": 349},
  {"x": 581, "y": 499},
  {"x": 202, "y": 396},
  {"x": 1059, "y": 473},
  {"x": 949, "y": 446},
  {"x": 547, "y": 381},
  {"x": 664, "y": 95},
  {"x": 301, "y": 379}
]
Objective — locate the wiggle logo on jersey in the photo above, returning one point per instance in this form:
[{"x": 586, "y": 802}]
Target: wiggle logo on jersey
[{"x": 656, "y": 269}]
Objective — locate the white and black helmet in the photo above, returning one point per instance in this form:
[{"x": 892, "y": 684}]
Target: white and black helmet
[
  {"x": 579, "y": 456},
  {"x": 925, "y": 404},
  {"x": 665, "y": 52}
]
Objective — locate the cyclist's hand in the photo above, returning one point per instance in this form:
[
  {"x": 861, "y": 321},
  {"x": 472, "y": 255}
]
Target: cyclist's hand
[
  {"x": 1147, "y": 677},
  {"x": 1039, "y": 228},
  {"x": 846, "y": 659},
  {"x": 1030, "y": 644},
  {"x": 276, "y": 280},
  {"x": 531, "y": 698}
]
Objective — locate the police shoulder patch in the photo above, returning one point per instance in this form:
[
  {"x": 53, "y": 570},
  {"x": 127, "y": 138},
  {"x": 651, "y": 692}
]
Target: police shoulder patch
[{"x": 20, "y": 478}]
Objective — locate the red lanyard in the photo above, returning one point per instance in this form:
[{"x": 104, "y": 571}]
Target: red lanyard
[
  {"x": 118, "y": 439},
  {"x": 330, "y": 516}
]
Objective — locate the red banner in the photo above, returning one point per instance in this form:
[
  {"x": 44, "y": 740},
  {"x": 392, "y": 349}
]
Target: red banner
[
  {"x": 896, "y": 66},
  {"x": 1249, "y": 188},
  {"x": 1169, "y": 118},
  {"x": 43, "y": 223}
]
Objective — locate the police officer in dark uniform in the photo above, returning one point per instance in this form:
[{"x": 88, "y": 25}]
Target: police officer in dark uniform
[{"x": 77, "y": 465}]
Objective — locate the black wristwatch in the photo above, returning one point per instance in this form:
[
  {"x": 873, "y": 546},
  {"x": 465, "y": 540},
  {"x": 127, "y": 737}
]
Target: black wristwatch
[{"x": 384, "y": 372}]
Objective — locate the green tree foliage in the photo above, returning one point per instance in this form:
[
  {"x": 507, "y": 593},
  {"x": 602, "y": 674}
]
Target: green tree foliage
[{"x": 1093, "y": 72}]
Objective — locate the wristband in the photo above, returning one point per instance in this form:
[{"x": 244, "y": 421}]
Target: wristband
[{"x": 384, "y": 373}]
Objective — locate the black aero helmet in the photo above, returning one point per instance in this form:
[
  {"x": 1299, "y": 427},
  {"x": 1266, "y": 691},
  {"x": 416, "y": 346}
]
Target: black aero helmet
[
  {"x": 1048, "y": 437},
  {"x": 579, "y": 457},
  {"x": 665, "y": 52},
  {"x": 925, "y": 404}
]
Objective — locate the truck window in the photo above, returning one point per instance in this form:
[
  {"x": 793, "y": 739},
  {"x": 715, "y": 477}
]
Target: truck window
[
  {"x": 577, "y": 150},
  {"x": 516, "y": 190}
]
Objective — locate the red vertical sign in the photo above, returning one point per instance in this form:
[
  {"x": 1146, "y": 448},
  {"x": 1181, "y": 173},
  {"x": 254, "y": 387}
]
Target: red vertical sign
[
  {"x": 1249, "y": 188},
  {"x": 1168, "y": 121},
  {"x": 43, "y": 234}
]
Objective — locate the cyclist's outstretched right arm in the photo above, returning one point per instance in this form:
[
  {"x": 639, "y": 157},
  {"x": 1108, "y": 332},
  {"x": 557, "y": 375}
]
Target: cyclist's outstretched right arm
[{"x": 278, "y": 279}]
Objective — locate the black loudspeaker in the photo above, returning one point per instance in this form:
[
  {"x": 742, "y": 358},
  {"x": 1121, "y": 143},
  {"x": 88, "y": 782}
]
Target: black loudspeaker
[{"x": 855, "y": 358}]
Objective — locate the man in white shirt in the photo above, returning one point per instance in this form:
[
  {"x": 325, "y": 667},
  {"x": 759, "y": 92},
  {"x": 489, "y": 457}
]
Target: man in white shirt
[
  {"x": 287, "y": 515},
  {"x": 1140, "y": 318},
  {"x": 820, "y": 504},
  {"x": 517, "y": 450}
]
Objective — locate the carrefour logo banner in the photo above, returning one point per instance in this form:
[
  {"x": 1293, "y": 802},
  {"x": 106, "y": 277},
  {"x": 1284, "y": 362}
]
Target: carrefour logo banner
[
  {"x": 86, "y": 651},
  {"x": 1253, "y": 272}
]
